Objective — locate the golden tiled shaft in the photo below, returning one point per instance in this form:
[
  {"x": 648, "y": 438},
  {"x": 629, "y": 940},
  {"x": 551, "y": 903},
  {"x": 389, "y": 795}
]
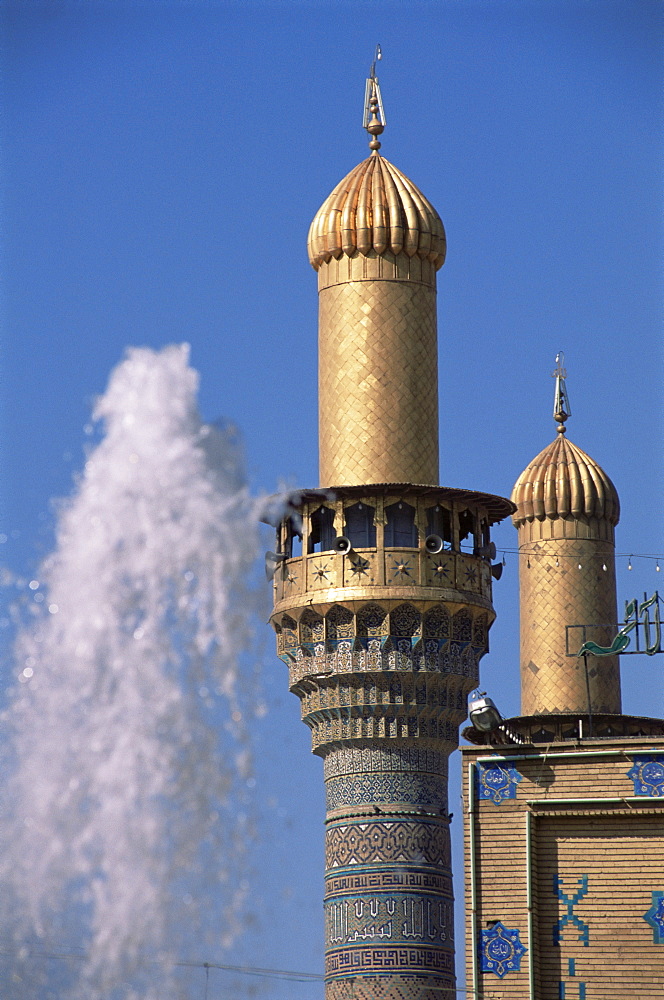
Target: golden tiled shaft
[
  {"x": 378, "y": 386},
  {"x": 555, "y": 593}
]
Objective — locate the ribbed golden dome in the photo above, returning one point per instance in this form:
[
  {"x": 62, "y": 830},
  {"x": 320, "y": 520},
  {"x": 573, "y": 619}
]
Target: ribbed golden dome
[
  {"x": 375, "y": 207},
  {"x": 564, "y": 482}
]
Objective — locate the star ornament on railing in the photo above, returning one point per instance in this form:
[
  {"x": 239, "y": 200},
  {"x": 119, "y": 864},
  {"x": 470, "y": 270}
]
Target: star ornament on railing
[
  {"x": 400, "y": 568},
  {"x": 501, "y": 950},
  {"x": 360, "y": 567}
]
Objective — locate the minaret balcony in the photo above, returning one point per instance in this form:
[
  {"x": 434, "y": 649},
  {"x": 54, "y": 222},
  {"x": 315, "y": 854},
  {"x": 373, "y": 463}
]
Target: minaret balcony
[{"x": 387, "y": 542}]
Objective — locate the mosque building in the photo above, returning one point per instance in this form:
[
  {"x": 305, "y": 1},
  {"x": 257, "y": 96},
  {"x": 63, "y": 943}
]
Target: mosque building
[
  {"x": 564, "y": 806},
  {"x": 382, "y": 584}
]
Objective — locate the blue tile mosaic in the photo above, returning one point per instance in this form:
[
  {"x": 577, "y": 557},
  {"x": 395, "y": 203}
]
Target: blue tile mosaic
[
  {"x": 497, "y": 783},
  {"x": 655, "y": 917},
  {"x": 580, "y": 987},
  {"x": 647, "y": 774},
  {"x": 563, "y": 994},
  {"x": 501, "y": 950},
  {"x": 570, "y": 916}
]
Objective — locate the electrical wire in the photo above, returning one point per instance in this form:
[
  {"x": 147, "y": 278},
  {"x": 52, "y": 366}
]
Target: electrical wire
[
  {"x": 250, "y": 970},
  {"x": 247, "y": 970}
]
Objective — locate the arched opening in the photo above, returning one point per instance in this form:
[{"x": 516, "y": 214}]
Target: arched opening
[
  {"x": 486, "y": 536},
  {"x": 400, "y": 530},
  {"x": 292, "y": 532},
  {"x": 439, "y": 522},
  {"x": 359, "y": 526},
  {"x": 321, "y": 531},
  {"x": 467, "y": 529}
]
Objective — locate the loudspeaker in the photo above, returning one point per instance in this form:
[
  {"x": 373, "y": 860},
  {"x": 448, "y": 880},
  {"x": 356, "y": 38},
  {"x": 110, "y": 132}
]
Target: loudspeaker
[
  {"x": 433, "y": 544},
  {"x": 272, "y": 562},
  {"x": 488, "y": 551},
  {"x": 343, "y": 544},
  {"x": 497, "y": 571}
]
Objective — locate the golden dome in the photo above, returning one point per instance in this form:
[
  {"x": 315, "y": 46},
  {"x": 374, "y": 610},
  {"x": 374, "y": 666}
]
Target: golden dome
[
  {"x": 376, "y": 208},
  {"x": 564, "y": 482}
]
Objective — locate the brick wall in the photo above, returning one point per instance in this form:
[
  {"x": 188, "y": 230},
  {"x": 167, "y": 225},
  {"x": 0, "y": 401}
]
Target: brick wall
[{"x": 574, "y": 878}]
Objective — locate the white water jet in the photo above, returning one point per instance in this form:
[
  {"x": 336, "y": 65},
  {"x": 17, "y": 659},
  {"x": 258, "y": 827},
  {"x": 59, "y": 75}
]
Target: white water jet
[{"x": 125, "y": 748}]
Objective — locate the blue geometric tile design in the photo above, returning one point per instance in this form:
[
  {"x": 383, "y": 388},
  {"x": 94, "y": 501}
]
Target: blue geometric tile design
[
  {"x": 385, "y": 787},
  {"x": 648, "y": 776},
  {"x": 562, "y": 987},
  {"x": 501, "y": 950},
  {"x": 497, "y": 783},
  {"x": 562, "y": 992},
  {"x": 570, "y": 917},
  {"x": 655, "y": 917}
]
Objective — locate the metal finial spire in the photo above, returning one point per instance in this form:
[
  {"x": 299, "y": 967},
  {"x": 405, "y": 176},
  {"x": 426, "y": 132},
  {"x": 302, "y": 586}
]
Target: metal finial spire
[
  {"x": 562, "y": 411},
  {"x": 374, "y": 116}
]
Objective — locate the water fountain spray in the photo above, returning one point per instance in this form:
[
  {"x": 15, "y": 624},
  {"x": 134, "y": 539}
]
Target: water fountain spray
[{"x": 126, "y": 755}]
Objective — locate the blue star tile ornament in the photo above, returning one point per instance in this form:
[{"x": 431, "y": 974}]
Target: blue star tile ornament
[
  {"x": 655, "y": 917},
  {"x": 647, "y": 774},
  {"x": 501, "y": 950},
  {"x": 497, "y": 783}
]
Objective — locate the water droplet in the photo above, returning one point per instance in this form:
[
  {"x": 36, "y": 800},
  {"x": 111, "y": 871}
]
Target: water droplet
[
  {"x": 53, "y": 609},
  {"x": 34, "y": 585}
]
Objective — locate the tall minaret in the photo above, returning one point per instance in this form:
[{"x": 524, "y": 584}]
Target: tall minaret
[
  {"x": 377, "y": 243},
  {"x": 382, "y": 589},
  {"x": 567, "y": 508}
]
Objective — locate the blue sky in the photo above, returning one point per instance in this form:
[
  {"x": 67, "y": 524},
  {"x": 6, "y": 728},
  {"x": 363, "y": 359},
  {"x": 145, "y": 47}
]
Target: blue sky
[{"x": 162, "y": 163}]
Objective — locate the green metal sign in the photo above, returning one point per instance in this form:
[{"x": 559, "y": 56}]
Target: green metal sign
[{"x": 642, "y": 623}]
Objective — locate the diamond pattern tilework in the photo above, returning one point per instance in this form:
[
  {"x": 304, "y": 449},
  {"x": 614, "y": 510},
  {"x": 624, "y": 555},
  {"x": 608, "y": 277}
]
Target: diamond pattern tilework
[
  {"x": 551, "y": 597},
  {"x": 378, "y": 393}
]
